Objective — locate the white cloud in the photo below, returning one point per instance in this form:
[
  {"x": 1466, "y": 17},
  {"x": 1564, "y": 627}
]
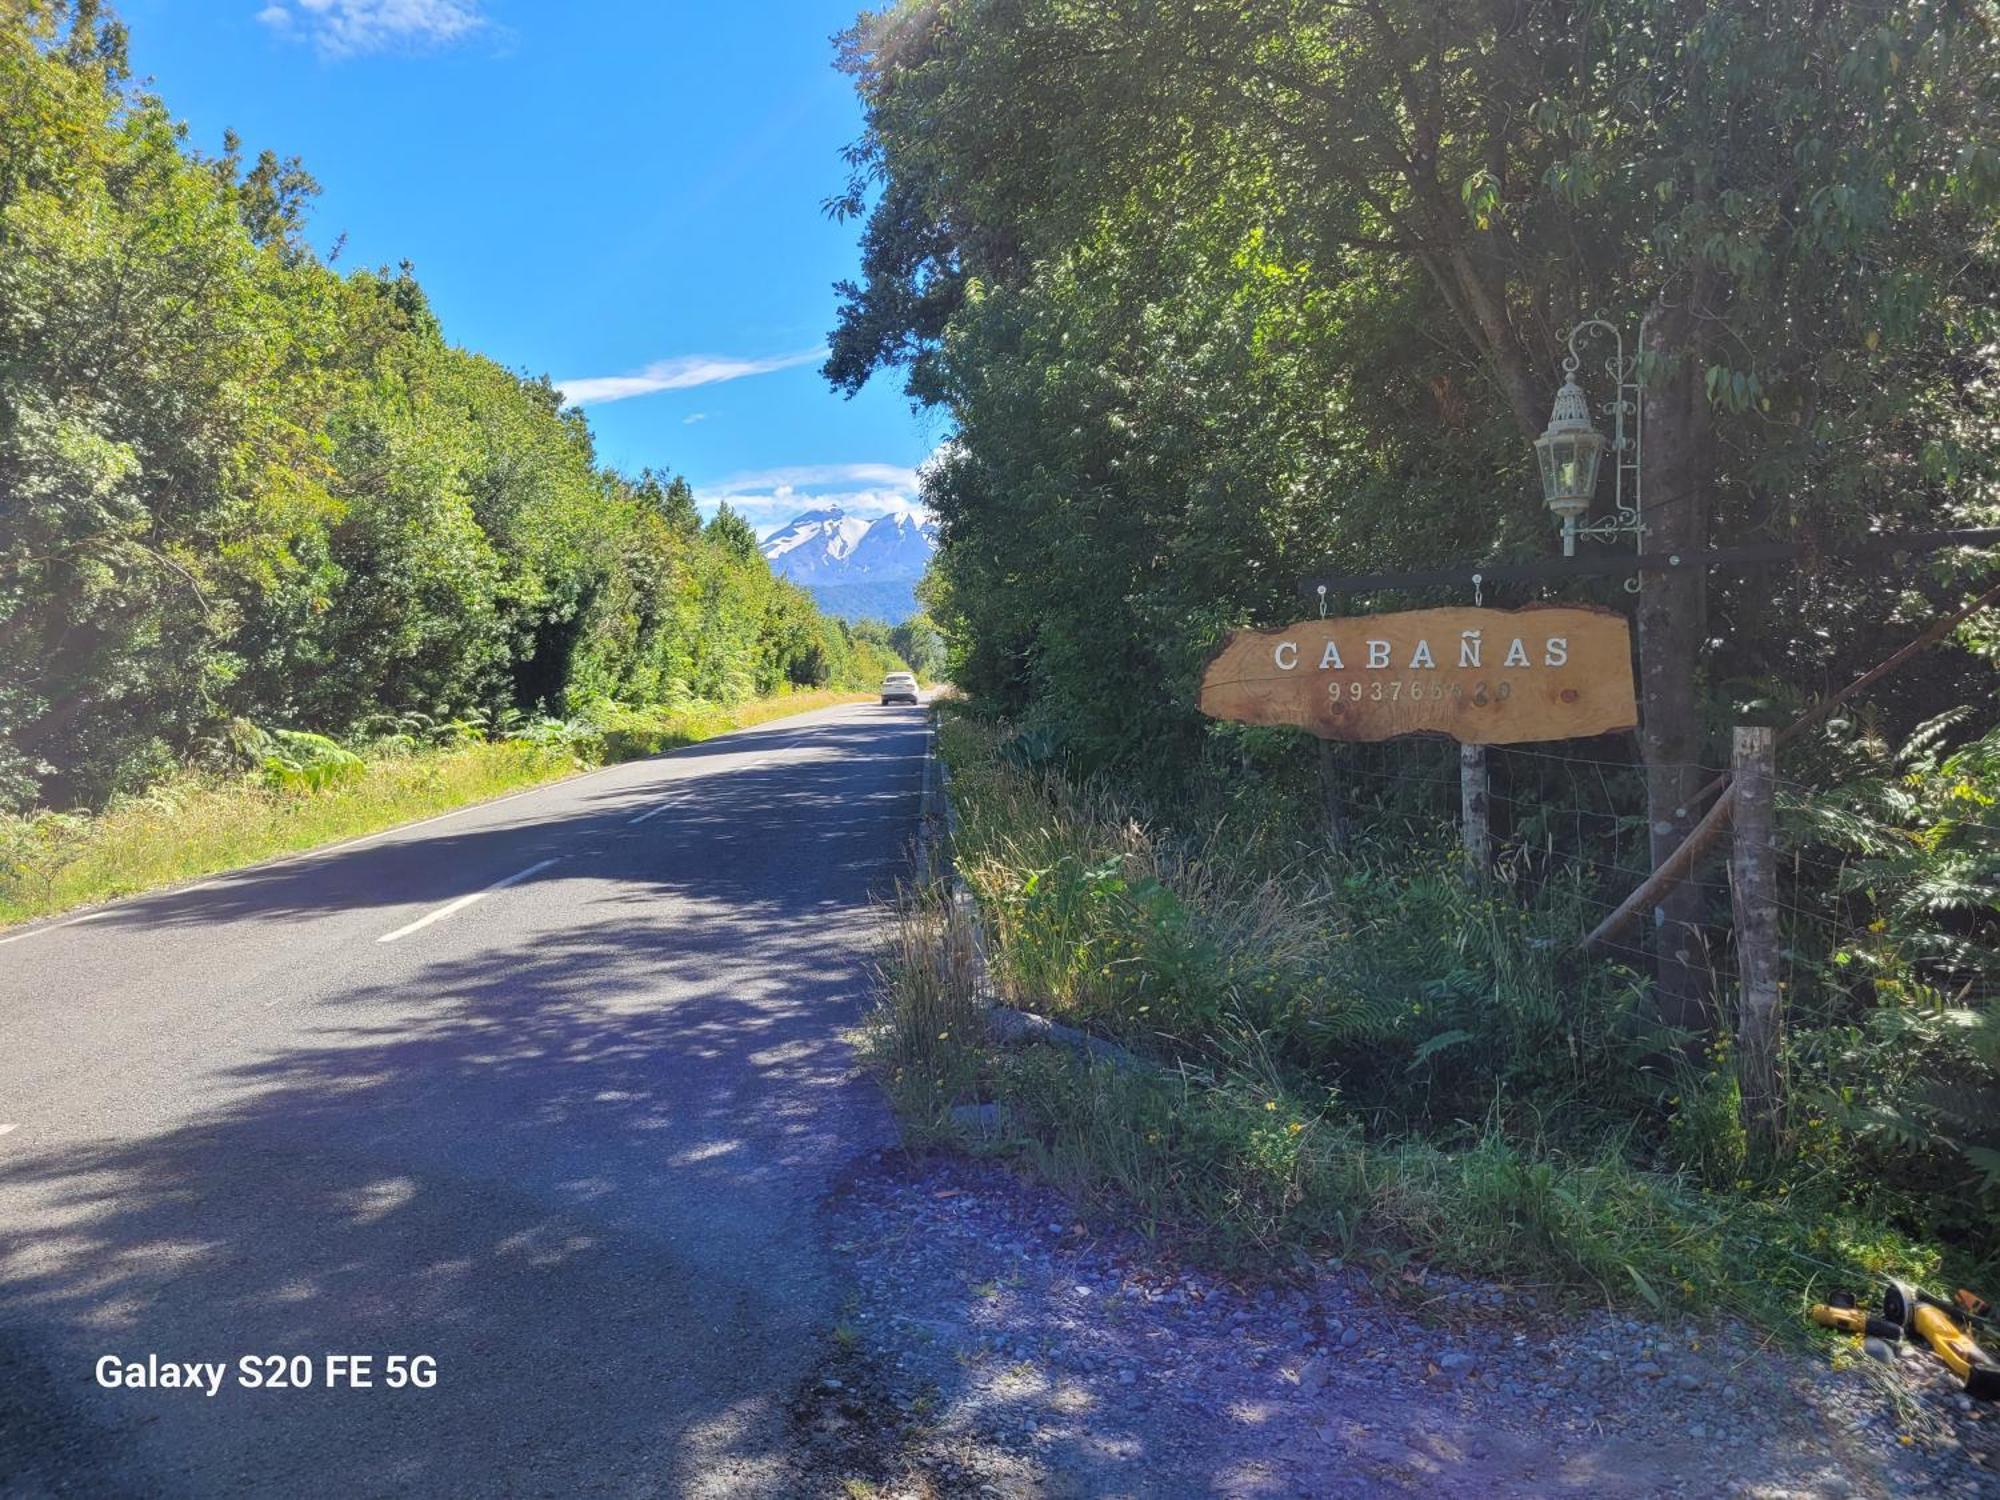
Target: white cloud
[
  {"x": 770, "y": 497},
  {"x": 768, "y": 512},
  {"x": 693, "y": 417},
  {"x": 819, "y": 476},
  {"x": 350, "y": 28},
  {"x": 679, "y": 374}
]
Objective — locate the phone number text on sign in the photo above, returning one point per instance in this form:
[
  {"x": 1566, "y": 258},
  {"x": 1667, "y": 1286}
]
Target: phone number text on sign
[
  {"x": 1482, "y": 676},
  {"x": 1356, "y": 691}
]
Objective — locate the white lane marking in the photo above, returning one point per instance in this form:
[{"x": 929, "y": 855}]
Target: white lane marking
[
  {"x": 305, "y": 856},
  {"x": 634, "y": 822},
  {"x": 5, "y": 1128},
  {"x": 89, "y": 916},
  {"x": 464, "y": 901}
]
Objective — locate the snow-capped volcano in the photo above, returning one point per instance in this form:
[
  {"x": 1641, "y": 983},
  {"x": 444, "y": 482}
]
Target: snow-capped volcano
[
  {"x": 855, "y": 567},
  {"x": 899, "y": 545},
  {"x": 818, "y": 542}
]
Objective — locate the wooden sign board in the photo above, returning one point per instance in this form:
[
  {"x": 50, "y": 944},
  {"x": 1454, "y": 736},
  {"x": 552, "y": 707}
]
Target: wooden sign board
[{"x": 1482, "y": 676}]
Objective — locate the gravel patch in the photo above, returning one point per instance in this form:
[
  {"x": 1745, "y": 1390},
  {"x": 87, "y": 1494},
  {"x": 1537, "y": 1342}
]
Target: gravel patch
[{"x": 1011, "y": 1349}]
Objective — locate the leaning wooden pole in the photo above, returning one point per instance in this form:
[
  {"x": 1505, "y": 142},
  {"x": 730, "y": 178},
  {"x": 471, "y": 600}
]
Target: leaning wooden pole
[
  {"x": 1753, "y": 899},
  {"x": 1710, "y": 827},
  {"x": 1935, "y": 632},
  {"x": 1677, "y": 865}
]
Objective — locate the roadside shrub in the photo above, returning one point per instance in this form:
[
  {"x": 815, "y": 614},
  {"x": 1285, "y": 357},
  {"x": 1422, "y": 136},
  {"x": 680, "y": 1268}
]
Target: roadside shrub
[
  {"x": 252, "y": 793},
  {"x": 1358, "y": 1050},
  {"x": 1894, "y": 1042},
  {"x": 925, "y": 1038},
  {"x": 1378, "y": 970},
  {"x": 578, "y": 739},
  {"x": 35, "y": 848},
  {"x": 1706, "y": 1135},
  {"x": 1242, "y": 1174},
  {"x": 301, "y": 762}
]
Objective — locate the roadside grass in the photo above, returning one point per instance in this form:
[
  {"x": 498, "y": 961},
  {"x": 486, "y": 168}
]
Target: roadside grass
[
  {"x": 204, "y": 823},
  {"x": 1276, "y": 1122}
]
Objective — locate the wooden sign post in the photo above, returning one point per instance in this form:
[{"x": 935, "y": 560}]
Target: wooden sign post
[{"x": 1481, "y": 676}]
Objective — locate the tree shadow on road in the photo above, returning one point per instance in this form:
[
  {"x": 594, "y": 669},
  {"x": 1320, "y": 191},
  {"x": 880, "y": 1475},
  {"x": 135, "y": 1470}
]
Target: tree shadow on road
[
  {"x": 578, "y": 1167},
  {"x": 839, "y": 793}
]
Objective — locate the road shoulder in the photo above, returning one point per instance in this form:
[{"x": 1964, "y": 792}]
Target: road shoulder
[{"x": 1005, "y": 1341}]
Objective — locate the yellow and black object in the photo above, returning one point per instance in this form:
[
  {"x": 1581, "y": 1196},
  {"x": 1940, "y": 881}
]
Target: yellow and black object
[
  {"x": 1943, "y": 1327},
  {"x": 1839, "y": 1311}
]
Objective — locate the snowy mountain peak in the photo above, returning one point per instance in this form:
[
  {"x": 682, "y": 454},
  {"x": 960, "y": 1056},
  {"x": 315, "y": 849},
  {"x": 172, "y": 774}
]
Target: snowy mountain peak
[
  {"x": 814, "y": 540},
  {"x": 830, "y": 552},
  {"x": 904, "y": 521},
  {"x": 898, "y": 545}
]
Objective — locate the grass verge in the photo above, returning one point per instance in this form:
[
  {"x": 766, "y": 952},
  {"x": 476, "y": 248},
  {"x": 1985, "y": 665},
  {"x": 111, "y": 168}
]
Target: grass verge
[
  {"x": 201, "y": 824},
  {"x": 1264, "y": 1132}
]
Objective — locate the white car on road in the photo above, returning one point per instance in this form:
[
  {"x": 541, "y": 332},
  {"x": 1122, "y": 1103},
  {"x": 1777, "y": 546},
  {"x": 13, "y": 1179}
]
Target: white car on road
[{"x": 899, "y": 687}]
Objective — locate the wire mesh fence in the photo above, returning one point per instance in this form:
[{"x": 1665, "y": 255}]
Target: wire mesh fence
[{"x": 1575, "y": 814}]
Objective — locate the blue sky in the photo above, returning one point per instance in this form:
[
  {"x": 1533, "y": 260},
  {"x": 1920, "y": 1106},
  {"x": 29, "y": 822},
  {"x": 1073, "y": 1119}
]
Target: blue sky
[{"x": 622, "y": 194}]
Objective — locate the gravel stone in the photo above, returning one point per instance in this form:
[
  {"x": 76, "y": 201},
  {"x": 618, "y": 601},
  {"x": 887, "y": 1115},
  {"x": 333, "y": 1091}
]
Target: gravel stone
[{"x": 1268, "y": 1387}]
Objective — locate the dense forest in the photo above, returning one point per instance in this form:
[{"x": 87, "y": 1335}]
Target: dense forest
[
  {"x": 1213, "y": 294},
  {"x": 1218, "y": 298},
  {"x": 242, "y": 487}
]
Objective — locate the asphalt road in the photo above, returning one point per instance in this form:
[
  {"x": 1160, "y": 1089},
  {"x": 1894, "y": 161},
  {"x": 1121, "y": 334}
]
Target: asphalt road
[{"x": 567, "y": 1139}]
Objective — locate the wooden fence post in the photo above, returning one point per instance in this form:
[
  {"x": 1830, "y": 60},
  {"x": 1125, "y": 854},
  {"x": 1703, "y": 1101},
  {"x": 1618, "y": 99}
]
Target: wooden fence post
[
  {"x": 1332, "y": 805},
  {"x": 1472, "y": 804},
  {"x": 1753, "y": 899}
]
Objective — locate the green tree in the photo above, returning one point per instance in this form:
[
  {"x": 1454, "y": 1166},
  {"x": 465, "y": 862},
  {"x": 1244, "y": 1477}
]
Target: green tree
[
  {"x": 918, "y": 641},
  {"x": 733, "y": 533},
  {"x": 238, "y": 484},
  {"x": 1210, "y": 292}
]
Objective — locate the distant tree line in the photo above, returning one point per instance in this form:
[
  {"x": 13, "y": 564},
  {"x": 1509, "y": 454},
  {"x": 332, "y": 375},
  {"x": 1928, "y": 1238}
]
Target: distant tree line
[
  {"x": 238, "y": 483},
  {"x": 921, "y": 644}
]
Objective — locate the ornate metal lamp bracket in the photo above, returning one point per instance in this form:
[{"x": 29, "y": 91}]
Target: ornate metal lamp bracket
[{"x": 1626, "y": 409}]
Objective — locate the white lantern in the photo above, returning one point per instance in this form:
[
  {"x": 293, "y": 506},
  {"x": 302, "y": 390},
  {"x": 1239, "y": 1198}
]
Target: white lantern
[{"x": 1568, "y": 452}]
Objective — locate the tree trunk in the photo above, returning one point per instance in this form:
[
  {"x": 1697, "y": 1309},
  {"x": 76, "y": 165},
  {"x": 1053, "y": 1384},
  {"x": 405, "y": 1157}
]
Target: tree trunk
[
  {"x": 1457, "y": 280},
  {"x": 1753, "y": 897},
  {"x": 1673, "y": 624},
  {"x": 1487, "y": 305}
]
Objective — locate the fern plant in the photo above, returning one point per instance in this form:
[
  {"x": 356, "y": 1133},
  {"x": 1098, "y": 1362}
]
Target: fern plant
[
  {"x": 300, "y": 762},
  {"x": 1905, "y": 1060}
]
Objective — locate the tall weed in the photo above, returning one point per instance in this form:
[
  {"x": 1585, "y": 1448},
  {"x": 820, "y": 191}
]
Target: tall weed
[{"x": 1359, "y": 1051}]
